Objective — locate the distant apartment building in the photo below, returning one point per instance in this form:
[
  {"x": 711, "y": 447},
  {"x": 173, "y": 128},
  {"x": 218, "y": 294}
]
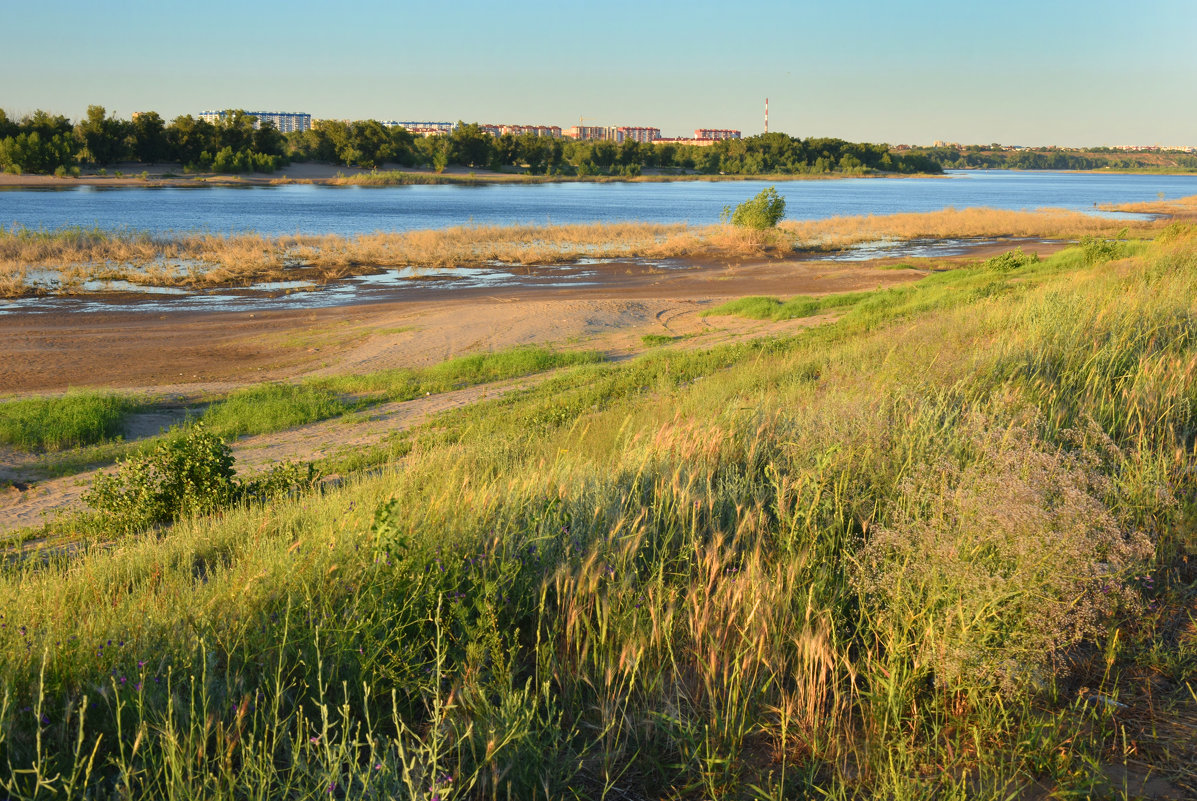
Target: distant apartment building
[
  {"x": 716, "y": 133},
  {"x": 285, "y": 121},
  {"x": 596, "y": 133},
  {"x": 423, "y": 128},
  {"x": 681, "y": 140},
  {"x": 551, "y": 131},
  {"x": 611, "y": 133},
  {"x": 628, "y": 133}
]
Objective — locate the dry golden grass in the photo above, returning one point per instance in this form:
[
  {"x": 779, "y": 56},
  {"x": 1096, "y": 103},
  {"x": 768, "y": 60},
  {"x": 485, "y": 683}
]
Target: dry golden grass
[
  {"x": 837, "y": 232},
  {"x": 1184, "y": 207},
  {"x": 75, "y": 256},
  {"x": 200, "y": 260}
]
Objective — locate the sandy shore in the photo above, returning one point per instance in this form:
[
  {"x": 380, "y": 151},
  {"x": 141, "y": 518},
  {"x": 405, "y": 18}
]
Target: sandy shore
[
  {"x": 134, "y": 349},
  {"x": 179, "y": 357}
]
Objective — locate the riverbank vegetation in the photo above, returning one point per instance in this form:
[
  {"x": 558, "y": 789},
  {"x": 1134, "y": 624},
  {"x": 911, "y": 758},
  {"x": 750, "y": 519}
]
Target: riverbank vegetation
[
  {"x": 65, "y": 260},
  {"x": 941, "y": 549}
]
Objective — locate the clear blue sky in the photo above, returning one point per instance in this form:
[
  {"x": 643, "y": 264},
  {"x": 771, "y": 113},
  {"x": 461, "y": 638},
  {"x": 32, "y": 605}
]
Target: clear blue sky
[{"x": 1074, "y": 72}]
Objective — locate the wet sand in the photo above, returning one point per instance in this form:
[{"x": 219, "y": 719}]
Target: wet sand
[{"x": 139, "y": 342}]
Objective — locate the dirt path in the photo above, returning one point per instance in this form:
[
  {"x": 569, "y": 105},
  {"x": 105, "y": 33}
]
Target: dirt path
[
  {"x": 29, "y": 503},
  {"x": 32, "y": 504}
]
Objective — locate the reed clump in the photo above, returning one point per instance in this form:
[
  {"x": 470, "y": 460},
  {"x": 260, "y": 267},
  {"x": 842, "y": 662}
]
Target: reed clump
[
  {"x": 839, "y": 232},
  {"x": 63, "y": 261}
]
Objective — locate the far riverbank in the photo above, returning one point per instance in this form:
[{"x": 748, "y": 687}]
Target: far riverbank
[{"x": 133, "y": 174}]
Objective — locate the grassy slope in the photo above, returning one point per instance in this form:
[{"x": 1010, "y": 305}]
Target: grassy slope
[
  {"x": 80, "y": 419},
  {"x": 880, "y": 559}
]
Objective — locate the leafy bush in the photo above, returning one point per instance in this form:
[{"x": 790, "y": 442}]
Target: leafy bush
[
  {"x": 1011, "y": 260},
  {"x": 763, "y": 211},
  {"x": 186, "y": 474},
  {"x": 1099, "y": 251}
]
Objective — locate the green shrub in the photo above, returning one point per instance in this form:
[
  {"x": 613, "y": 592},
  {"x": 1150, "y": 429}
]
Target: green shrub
[
  {"x": 1011, "y": 260},
  {"x": 1099, "y": 251},
  {"x": 186, "y": 474},
  {"x": 763, "y": 211}
]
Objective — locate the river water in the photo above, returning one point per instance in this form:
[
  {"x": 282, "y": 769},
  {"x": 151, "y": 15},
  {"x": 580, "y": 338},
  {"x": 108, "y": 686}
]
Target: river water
[{"x": 311, "y": 209}]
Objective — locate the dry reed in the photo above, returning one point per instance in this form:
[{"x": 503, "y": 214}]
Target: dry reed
[
  {"x": 838, "y": 232},
  {"x": 68, "y": 258}
]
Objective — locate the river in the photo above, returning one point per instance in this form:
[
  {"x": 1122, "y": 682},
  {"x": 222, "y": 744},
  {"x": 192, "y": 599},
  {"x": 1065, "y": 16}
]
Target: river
[{"x": 312, "y": 209}]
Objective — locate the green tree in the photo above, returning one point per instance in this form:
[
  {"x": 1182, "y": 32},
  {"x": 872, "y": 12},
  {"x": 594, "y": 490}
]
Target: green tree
[
  {"x": 8, "y": 127},
  {"x": 268, "y": 141},
  {"x": 149, "y": 138},
  {"x": 189, "y": 138},
  {"x": 471, "y": 146},
  {"x": 236, "y": 130},
  {"x": 369, "y": 144},
  {"x": 763, "y": 211},
  {"x": 102, "y": 137}
]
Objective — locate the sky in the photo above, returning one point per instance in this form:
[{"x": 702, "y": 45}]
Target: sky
[{"x": 1040, "y": 72}]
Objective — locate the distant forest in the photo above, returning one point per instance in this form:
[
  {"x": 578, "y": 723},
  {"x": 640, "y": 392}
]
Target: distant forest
[
  {"x": 48, "y": 144},
  {"x": 994, "y": 157}
]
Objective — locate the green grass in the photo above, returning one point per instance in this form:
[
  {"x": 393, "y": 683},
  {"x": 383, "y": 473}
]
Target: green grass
[
  {"x": 875, "y": 560},
  {"x": 276, "y": 407},
  {"x": 653, "y": 340},
  {"x": 75, "y": 419},
  {"x": 272, "y": 407},
  {"x": 456, "y": 373}
]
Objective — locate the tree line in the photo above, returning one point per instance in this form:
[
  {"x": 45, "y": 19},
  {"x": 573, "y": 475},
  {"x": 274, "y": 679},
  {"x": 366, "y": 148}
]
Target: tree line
[
  {"x": 367, "y": 144},
  {"x": 994, "y": 157},
  {"x": 45, "y": 143}
]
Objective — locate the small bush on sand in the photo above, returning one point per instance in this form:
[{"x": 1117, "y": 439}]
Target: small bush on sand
[
  {"x": 1011, "y": 260},
  {"x": 763, "y": 211},
  {"x": 186, "y": 474}
]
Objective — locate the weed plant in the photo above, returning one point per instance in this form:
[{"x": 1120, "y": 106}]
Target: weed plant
[
  {"x": 188, "y": 473},
  {"x": 899, "y": 556}
]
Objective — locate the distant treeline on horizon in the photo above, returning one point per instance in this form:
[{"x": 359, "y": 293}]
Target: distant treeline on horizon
[
  {"x": 979, "y": 157},
  {"x": 43, "y": 143}
]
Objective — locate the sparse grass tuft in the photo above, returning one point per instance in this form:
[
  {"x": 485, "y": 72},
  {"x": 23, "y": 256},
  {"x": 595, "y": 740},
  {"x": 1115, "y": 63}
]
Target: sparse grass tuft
[
  {"x": 75, "y": 419},
  {"x": 272, "y": 407}
]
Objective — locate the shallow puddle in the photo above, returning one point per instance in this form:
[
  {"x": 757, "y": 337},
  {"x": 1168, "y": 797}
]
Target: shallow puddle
[{"x": 389, "y": 284}]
